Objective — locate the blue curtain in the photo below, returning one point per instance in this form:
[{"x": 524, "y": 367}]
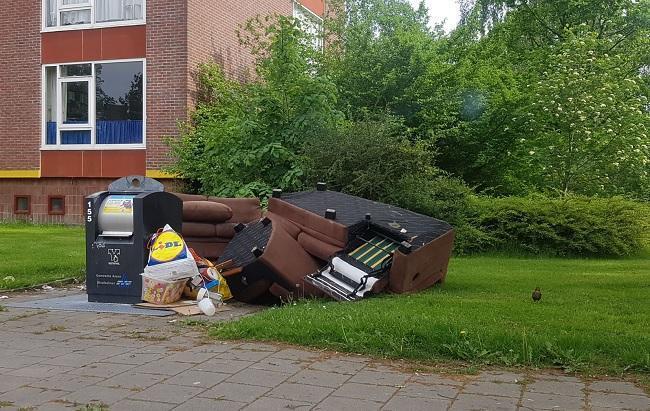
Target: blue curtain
[
  {"x": 120, "y": 132},
  {"x": 75, "y": 137},
  {"x": 51, "y": 132},
  {"x": 108, "y": 132}
]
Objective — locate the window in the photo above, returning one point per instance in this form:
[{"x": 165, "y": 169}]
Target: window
[
  {"x": 56, "y": 205},
  {"x": 22, "y": 205},
  {"x": 88, "y": 13},
  {"x": 311, "y": 23},
  {"x": 94, "y": 105}
]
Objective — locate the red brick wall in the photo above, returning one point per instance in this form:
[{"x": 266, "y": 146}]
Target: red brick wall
[
  {"x": 212, "y": 31},
  {"x": 20, "y": 85},
  {"x": 74, "y": 190},
  {"x": 166, "y": 75}
]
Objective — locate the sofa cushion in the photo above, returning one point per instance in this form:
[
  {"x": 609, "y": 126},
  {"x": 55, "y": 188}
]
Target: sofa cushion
[
  {"x": 191, "y": 197},
  {"x": 199, "y": 230},
  {"x": 288, "y": 226},
  {"x": 211, "y": 251},
  {"x": 225, "y": 230},
  {"x": 316, "y": 247},
  {"x": 244, "y": 210},
  {"x": 206, "y": 212}
]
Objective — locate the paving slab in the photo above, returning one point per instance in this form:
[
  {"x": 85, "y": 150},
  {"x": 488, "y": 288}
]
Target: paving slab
[
  {"x": 466, "y": 402},
  {"x": 277, "y": 404},
  {"x": 537, "y": 401},
  {"x": 300, "y": 392},
  {"x": 96, "y": 394},
  {"x": 163, "y": 392},
  {"x": 263, "y": 378},
  {"x": 235, "y": 392},
  {"x": 400, "y": 403}
]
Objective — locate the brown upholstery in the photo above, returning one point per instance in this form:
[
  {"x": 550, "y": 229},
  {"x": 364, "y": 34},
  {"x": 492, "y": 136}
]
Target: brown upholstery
[
  {"x": 244, "y": 210},
  {"x": 206, "y": 212},
  {"x": 198, "y": 230},
  {"x": 190, "y": 197},
  {"x": 316, "y": 247},
  {"x": 209, "y": 250},
  {"x": 225, "y": 230},
  {"x": 209, "y": 222},
  {"x": 287, "y": 259},
  {"x": 310, "y": 222},
  {"x": 422, "y": 268},
  {"x": 288, "y": 226}
]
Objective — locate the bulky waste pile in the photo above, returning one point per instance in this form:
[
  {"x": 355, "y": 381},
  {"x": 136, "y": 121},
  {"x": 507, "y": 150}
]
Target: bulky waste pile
[{"x": 174, "y": 272}]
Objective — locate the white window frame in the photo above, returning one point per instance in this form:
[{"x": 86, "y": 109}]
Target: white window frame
[
  {"x": 313, "y": 16},
  {"x": 90, "y": 4},
  {"x": 92, "y": 97}
]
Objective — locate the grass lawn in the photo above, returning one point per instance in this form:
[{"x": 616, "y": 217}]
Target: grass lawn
[
  {"x": 594, "y": 317},
  {"x": 38, "y": 254}
]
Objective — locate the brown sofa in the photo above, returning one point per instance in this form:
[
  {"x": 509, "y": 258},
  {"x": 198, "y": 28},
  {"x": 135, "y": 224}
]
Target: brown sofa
[
  {"x": 278, "y": 254},
  {"x": 209, "y": 238}
]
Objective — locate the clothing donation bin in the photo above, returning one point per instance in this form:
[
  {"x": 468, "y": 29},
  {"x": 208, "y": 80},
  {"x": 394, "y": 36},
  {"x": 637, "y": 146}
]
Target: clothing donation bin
[{"x": 119, "y": 223}]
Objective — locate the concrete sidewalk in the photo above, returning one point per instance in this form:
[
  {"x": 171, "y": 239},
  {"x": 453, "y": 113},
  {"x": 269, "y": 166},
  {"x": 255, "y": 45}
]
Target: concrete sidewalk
[{"x": 66, "y": 360}]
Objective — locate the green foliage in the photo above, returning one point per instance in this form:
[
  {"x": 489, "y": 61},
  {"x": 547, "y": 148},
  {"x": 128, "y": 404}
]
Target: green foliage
[
  {"x": 246, "y": 139},
  {"x": 367, "y": 158},
  {"x": 377, "y": 50},
  {"x": 505, "y": 56},
  {"x": 585, "y": 128},
  {"x": 564, "y": 226}
]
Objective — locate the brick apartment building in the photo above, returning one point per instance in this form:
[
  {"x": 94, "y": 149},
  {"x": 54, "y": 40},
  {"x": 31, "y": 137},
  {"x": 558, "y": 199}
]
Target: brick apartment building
[{"x": 89, "y": 89}]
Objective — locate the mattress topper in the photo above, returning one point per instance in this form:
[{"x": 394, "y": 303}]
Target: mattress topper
[{"x": 351, "y": 211}]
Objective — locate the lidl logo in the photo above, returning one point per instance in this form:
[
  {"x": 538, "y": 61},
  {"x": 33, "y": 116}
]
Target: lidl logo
[{"x": 168, "y": 246}]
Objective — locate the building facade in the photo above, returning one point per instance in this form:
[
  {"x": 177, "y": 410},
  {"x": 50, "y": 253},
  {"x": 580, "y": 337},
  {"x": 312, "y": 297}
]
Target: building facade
[{"x": 90, "y": 90}]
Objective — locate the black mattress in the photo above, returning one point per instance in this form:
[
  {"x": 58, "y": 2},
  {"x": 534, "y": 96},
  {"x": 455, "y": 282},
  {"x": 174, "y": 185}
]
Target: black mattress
[{"x": 351, "y": 212}]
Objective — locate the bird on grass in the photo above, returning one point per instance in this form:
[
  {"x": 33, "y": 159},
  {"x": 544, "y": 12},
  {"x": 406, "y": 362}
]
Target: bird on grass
[{"x": 537, "y": 295}]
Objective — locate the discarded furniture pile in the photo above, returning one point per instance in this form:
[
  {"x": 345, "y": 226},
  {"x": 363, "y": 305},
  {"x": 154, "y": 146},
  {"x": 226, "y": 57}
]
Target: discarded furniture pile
[
  {"x": 147, "y": 244},
  {"x": 325, "y": 242}
]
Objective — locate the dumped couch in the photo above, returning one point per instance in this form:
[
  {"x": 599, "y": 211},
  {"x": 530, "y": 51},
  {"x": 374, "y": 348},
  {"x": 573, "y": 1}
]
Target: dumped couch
[
  {"x": 323, "y": 242},
  {"x": 209, "y": 222}
]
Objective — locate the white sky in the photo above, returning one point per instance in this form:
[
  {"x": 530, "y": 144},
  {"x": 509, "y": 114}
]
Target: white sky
[{"x": 440, "y": 10}]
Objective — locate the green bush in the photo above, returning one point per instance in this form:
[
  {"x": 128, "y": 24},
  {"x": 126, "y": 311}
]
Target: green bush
[
  {"x": 576, "y": 226},
  {"x": 367, "y": 158},
  {"x": 246, "y": 139},
  {"x": 448, "y": 199}
]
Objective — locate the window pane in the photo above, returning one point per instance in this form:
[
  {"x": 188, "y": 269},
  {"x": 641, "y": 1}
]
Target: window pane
[
  {"x": 72, "y": 70},
  {"x": 22, "y": 204},
  {"x": 50, "y": 105},
  {"x": 75, "y": 137},
  {"x": 119, "y": 103},
  {"x": 69, "y": 18},
  {"x": 118, "y": 10},
  {"x": 73, "y": 2},
  {"x": 50, "y": 9},
  {"x": 57, "y": 205},
  {"x": 75, "y": 102}
]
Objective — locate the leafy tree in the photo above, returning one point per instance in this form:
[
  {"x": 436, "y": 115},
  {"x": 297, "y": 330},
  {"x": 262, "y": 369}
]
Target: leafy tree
[
  {"x": 585, "y": 128},
  {"x": 376, "y": 50},
  {"x": 501, "y": 48},
  {"x": 246, "y": 139}
]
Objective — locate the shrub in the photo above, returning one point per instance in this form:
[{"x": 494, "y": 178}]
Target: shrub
[
  {"x": 448, "y": 199},
  {"x": 565, "y": 226},
  {"x": 367, "y": 158}
]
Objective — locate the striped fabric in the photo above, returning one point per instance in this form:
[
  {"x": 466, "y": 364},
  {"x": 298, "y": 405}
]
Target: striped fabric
[{"x": 374, "y": 252}]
